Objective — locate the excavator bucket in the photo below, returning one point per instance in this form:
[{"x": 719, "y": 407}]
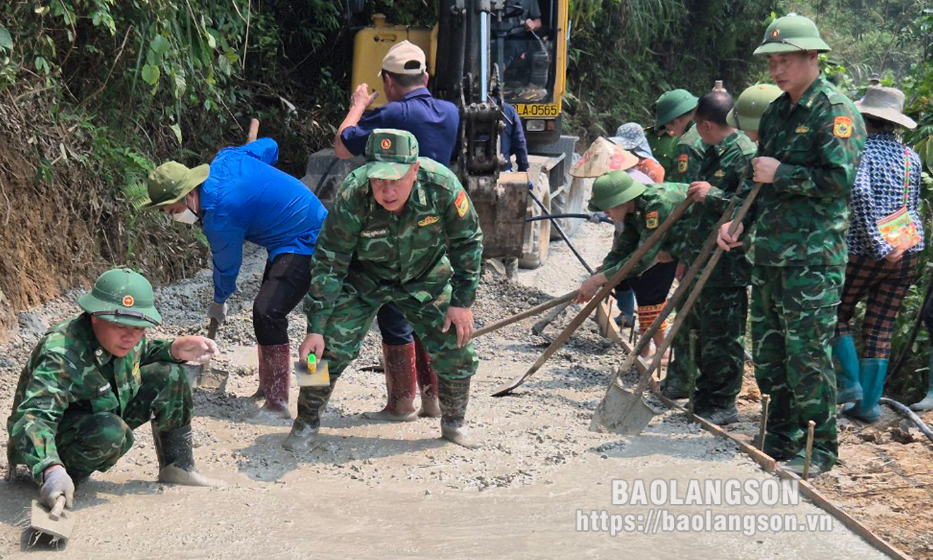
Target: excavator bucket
[{"x": 501, "y": 207}]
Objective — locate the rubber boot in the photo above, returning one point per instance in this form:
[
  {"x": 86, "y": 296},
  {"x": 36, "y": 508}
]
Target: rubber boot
[
  {"x": 427, "y": 382},
  {"x": 872, "y": 372},
  {"x": 927, "y": 402},
  {"x": 848, "y": 388},
  {"x": 400, "y": 384},
  {"x": 721, "y": 416},
  {"x": 274, "y": 371},
  {"x": 311, "y": 404},
  {"x": 454, "y": 394},
  {"x": 260, "y": 391},
  {"x": 176, "y": 458}
]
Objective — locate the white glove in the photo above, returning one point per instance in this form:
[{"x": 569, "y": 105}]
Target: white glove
[
  {"x": 217, "y": 311},
  {"x": 57, "y": 483}
]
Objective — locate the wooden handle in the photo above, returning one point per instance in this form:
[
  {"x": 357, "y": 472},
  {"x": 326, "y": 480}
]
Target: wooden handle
[
  {"x": 253, "y": 131},
  {"x": 57, "y": 510},
  {"x": 566, "y": 298},
  {"x": 212, "y": 329},
  {"x": 600, "y": 295}
]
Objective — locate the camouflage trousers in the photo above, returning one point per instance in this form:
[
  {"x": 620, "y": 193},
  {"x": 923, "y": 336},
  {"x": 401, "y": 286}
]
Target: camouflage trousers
[
  {"x": 350, "y": 321},
  {"x": 94, "y": 441},
  {"x": 793, "y": 314},
  {"x": 718, "y": 317}
]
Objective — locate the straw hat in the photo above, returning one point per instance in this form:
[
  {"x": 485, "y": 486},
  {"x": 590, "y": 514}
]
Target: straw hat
[
  {"x": 885, "y": 103},
  {"x": 602, "y": 157}
]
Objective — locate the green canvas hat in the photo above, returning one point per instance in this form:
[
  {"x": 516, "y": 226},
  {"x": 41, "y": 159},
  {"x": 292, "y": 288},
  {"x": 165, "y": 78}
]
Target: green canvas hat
[
  {"x": 391, "y": 153},
  {"x": 750, "y": 105},
  {"x": 171, "y": 182},
  {"x": 792, "y": 33},
  {"x": 672, "y": 104},
  {"x": 123, "y": 297},
  {"x": 612, "y": 189}
]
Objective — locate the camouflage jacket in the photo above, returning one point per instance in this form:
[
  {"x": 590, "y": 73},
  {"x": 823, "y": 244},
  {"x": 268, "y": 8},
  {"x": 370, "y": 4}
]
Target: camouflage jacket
[
  {"x": 70, "y": 372},
  {"x": 653, "y": 207},
  {"x": 725, "y": 166},
  {"x": 663, "y": 145},
  {"x": 437, "y": 240},
  {"x": 688, "y": 154},
  {"x": 801, "y": 218}
]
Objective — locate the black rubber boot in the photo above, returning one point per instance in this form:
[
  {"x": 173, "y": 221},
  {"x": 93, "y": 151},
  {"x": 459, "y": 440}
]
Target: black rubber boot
[
  {"x": 311, "y": 404},
  {"x": 454, "y": 394},
  {"x": 176, "y": 458}
]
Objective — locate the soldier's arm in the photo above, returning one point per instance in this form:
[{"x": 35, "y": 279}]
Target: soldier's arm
[
  {"x": 45, "y": 399},
  {"x": 157, "y": 350},
  {"x": 465, "y": 246},
  {"x": 684, "y": 166},
  {"x": 335, "y": 248},
  {"x": 863, "y": 208},
  {"x": 839, "y": 140},
  {"x": 623, "y": 245}
]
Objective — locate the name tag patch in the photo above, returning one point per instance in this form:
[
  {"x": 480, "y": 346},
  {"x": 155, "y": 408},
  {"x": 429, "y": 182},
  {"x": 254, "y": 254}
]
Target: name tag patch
[
  {"x": 103, "y": 389},
  {"x": 375, "y": 233}
]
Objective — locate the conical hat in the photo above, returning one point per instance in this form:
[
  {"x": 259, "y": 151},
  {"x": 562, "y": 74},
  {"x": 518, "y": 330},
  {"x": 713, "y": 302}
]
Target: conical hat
[{"x": 602, "y": 157}]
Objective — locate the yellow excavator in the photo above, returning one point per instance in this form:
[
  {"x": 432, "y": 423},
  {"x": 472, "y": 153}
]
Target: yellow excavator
[{"x": 481, "y": 55}]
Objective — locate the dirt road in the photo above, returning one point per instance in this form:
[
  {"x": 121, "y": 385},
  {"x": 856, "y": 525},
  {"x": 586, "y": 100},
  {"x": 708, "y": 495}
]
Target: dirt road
[{"x": 371, "y": 490}]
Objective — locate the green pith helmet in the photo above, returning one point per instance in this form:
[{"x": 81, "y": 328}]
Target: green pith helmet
[
  {"x": 172, "y": 181},
  {"x": 750, "y": 105},
  {"x": 672, "y": 104},
  {"x": 792, "y": 33},
  {"x": 612, "y": 189},
  {"x": 391, "y": 153},
  {"x": 124, "y": 297}
]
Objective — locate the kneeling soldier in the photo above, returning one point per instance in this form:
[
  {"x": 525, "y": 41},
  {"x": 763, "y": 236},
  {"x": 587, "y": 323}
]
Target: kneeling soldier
[
  {"x": 402, "y": 230},
  {"x": 95, "y": 378}
]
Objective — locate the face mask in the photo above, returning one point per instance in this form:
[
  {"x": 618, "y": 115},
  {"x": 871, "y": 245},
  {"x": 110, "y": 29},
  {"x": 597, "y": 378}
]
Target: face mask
[
  {"x": 186, "y": 217},
  {"x": 620, "y": 226}
]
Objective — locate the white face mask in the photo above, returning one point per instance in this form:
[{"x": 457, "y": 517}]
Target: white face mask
[
  {"x": 620, "y": 226},
  {"x": 186, "y": 217}
]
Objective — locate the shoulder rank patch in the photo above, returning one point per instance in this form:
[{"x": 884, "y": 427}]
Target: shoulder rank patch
[
  {"x": 802, "y": 129},
  {"x": 842, "y": 127},
  {"x": 651, "y": 219},
  {"x": 682, "y": 163},
  {"x": 462, "y": 203},
  {"x": 719, "y": 173},
  {"x": 428, "y": 221}
]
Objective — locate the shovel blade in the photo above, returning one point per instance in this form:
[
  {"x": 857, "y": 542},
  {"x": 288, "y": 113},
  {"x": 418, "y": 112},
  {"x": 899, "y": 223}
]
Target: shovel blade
[
  {"x": 40, "y": 521},
  {"x": 621, "y": 412}
]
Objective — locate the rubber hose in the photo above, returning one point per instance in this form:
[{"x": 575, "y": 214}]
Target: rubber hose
[{"x": 910, "y": 414}]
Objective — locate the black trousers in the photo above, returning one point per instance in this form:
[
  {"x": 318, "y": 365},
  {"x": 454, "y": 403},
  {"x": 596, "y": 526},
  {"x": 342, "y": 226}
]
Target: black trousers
[
  {"x": 285, "y": 282},
  {"x": 395, "y": 329}
]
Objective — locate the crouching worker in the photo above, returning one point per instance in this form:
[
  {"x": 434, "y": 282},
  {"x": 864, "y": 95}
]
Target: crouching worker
[
  {"x": 95, "y": 378},
  {"x": 401, "y": 230}
]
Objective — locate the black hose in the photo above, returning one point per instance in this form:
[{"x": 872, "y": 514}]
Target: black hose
[
  {"x": 910, "y": 414},
  {"x": 560, "y": 230},
  {"x": 603, "y": 219}
]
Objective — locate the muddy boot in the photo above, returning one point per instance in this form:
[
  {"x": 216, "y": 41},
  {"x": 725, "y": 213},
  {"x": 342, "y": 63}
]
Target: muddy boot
[
  {"x": 454, "y": 395},
  {"x": 311, "y": 404},
  {"x": 176, "y": 458},
  {"x": 400, "y": 384},
  {"x": 721, "y": 416},
  {"x": 260, "y": 391},
  {"x": 845, "y": 362},
  {"x": 427, "y": 382},
  {"x": 274, "y": 371}
]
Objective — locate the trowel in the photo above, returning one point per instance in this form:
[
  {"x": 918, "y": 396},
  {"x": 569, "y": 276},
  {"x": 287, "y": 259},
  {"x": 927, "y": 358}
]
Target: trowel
[{"x": 55, "y": 526}]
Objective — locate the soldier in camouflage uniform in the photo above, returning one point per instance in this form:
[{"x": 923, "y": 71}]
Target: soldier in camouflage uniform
[
  {"x": 637, "y": 210},
  {"x": 674, "y": 113},
  {"x": 810, "y": 141},
  {"x": 719, "y": 314},
  {"x": 402, "y": 229},
  {"x": 95, "y": 378}
]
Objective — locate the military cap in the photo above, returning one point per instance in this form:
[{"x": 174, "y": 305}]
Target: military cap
[
  {"x": 612, "y": 189},
  {"x": 171, "y": 182},
  {"x": 750, "y": 105},
  {"x": 390, "y": 153},
  {"x": 792, "y": 33},
  {"x": 673, "y": 104},
  {"x": 124, "y": 297}
]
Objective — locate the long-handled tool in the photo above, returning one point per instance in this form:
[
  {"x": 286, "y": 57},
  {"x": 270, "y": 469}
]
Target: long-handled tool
[
  {"x": 55, "y": 526},
  {"x": 525, "y": 314},
  {"x": 625, "y": 412},
  {"x": 600, "y": 295}
]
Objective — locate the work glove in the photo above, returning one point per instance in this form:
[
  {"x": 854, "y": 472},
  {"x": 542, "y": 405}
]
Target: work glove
[
  {"x": 217, "y": 311},
  {"x": 57, "y": 483}
]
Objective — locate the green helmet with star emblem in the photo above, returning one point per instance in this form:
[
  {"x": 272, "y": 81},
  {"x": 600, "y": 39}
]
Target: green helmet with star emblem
[
  {"x": 751, "y": 105},
  {"x": 123, "y": 297},
  {"x": 791, "y": 33}
]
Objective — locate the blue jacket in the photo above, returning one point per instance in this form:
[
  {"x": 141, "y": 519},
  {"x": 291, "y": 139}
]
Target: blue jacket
[
  {"x": 512, "y": 140},
  {"x": 434, "y": 122},
  {"x": 246, "y": 199}
]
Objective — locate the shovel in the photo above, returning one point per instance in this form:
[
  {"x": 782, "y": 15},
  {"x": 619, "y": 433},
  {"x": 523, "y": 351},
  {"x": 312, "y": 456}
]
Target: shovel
[
  {"x": 205, "y": 377},
  {"x": 624, "y": 412},
  {"x": 55, "y": 525},
  {"x": 600, "y": 295}
]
